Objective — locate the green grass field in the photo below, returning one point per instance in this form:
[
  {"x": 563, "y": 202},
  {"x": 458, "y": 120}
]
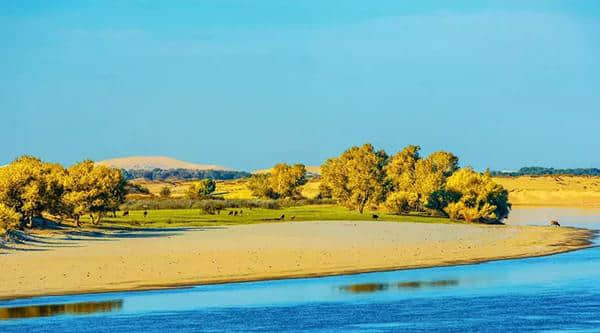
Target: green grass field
[{"x": 195, "y": 217}]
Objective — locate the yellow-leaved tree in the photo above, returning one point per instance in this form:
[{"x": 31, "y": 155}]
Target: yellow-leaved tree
[
  {"x": 29, "y": 186},
  {"x": 93, "y": 189},
  {"x": 286, "y": 180},
  {"x": 414, "y": 179},
  {"x": 356, "y": 178},
  {"x": 282, "y": 181},
  {"x": 474, "y": 197}
]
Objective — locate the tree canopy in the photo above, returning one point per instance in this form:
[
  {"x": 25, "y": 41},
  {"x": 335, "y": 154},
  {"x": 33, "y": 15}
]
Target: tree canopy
[
  {"x": 30, "y": 187},
  {"x": 356, "y": 178},
  {"x": 282, "y": 181},
  {"x": 404, "y": 183},
  {"x": 93, "y": 189}
]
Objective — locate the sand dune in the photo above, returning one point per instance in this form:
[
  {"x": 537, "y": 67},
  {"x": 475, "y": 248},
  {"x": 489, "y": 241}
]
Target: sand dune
[
  {"x": 85, "y": 262},
  {"x": 577, "y": 191},
  {"x": 157, "y": 162}
]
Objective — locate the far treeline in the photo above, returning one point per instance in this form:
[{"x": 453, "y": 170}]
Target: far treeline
[
  {"x": 160, "y": 174},
  {"x": 405, "y": 183},
  {"x": 541, "y": 171}
]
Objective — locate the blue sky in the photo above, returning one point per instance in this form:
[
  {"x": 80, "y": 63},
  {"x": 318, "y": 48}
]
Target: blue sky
[{"x": 246, "y": 84}]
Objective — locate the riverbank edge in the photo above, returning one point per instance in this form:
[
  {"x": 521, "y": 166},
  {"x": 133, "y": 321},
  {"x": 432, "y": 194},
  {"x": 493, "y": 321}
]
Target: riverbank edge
[{"x": 583, "y": 241}]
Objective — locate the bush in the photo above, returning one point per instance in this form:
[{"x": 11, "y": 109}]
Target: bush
[
  {"x": 401, "y": 202},
  {"x": 201, "y": 189},
  {"x": 133, "y": 188},
  {"x": 165, "y": 192}
]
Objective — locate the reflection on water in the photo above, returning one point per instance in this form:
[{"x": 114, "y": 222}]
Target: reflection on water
[
  {"x": 426, "y": 284},
  {"x": 374, "y": 287},
  {"x": 365, "y": 287},
  {"x": 47, "y": 310}
]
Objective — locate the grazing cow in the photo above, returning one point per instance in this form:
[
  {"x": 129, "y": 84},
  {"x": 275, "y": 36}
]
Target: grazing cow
[
  {"x": 126, "y": 213},
  {"x": 554, "y": 223},
  {"x": 230, "y": 213},
  {"x": 282, "y": 217},
  {"x": 241, "y": 212},
  {"x": 235, "y": 213},
  {"x": 375, "y": 216},
  {"x": 145, "y": 213}
]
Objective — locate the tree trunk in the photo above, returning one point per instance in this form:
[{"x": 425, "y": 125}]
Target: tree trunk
[
  {"x": 77, "y": 221},
  {"x": 361, "y": 205}
]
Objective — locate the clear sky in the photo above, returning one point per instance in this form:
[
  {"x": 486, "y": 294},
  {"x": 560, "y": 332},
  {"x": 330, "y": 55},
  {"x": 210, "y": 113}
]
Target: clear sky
[{"x": 246, "y": 84}]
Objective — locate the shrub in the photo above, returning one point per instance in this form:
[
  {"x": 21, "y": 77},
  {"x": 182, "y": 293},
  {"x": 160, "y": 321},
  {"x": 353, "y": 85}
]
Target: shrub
[
  {"x": 401, "y": 202},
  {"x": 201, "y": 189},
  {"x": 165, "y": 192}
]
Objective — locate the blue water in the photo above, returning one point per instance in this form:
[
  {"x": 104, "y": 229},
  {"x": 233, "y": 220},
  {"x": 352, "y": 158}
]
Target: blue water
[{"x": 559, "y": 293}]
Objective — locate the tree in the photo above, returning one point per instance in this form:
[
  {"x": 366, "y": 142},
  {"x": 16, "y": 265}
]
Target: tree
[
  {"x": 356, "y": 178},
  {"x": 431, "y": 174},
  {"x": 285, "y": 180},
  {"x": 29, "y": 186},
  {"x": 94, "y": 190},
  {"x": 165, "y": 192},
  {"x": 260, "y": 186},
  {"x": 282, "y": 181},
  {"x": 400, "y": 169},
  {"x": 201, "y": 189},
  {"x": 416, "y": 177},
  {"x": 480, "y": 199}
]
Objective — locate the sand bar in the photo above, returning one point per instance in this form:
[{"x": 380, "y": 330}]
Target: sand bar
[{"x": 86, "y": 261}]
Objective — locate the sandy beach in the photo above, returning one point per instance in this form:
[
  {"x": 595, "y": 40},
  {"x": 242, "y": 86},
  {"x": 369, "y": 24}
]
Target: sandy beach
[{"x": 93, "y": 261}]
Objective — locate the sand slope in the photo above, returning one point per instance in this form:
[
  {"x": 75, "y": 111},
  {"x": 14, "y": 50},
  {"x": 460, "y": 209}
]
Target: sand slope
[
  {"x": 156, "y": 162},
  {"x": 153, "y": 259},
  {"x": 579, "y": 191}
]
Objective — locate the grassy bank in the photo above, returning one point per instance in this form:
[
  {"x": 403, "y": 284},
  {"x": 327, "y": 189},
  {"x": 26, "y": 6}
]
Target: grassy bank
[{"x": 195, "y": 217}]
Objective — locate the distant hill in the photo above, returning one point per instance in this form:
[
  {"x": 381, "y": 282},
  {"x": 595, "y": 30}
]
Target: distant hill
[
  {"x": 162, "y": 167},
  {"x": 157, "y": 162}
]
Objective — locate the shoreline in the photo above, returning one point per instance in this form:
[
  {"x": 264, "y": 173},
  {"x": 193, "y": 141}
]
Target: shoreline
[
  {"x": 561, "y": 240},
  {"x": 277, "y": 278}
]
